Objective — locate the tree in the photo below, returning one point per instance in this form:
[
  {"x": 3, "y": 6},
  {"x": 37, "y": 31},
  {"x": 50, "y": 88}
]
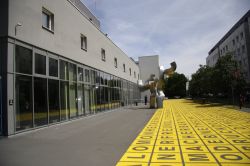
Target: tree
[
  {"x": 200, "y": 83},
  {"x": 175, "y": 85},
  {"x": 223, "y": 79}
]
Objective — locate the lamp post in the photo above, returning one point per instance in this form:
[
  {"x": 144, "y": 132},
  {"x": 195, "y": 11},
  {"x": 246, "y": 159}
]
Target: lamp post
[{"x": 17, "y": 25}]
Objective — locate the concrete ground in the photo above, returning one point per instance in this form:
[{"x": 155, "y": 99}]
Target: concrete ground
[{"x": 98, "y": 140}]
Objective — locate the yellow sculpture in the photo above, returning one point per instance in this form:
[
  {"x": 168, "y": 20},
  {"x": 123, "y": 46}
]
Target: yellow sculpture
[{"x": 156, "y": 86}]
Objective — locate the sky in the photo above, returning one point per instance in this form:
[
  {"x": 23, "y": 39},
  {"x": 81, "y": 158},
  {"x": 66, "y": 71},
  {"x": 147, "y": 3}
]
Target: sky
[{"x": 183, "y": 31}]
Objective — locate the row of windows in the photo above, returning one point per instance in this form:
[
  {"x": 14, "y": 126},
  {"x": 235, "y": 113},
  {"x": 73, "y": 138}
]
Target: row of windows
[
  {"x": 48, "y": 24},
  {"x": 225, "y": 49},
  {"x": 50, "y": 90}
]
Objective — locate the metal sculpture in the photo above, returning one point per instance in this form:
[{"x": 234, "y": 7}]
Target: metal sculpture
[{"x": 156, "y": 85}]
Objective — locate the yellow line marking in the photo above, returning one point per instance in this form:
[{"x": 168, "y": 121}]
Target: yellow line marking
[{"x": 184, "y": 132}]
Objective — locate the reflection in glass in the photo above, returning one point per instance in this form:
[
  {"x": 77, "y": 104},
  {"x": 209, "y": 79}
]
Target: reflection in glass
[
  {"x": 80, "y": 74},
  {"x": 24, "y": 115},
  {"x": 87, "y": 79},
  {"x": 53, "y": 67},
  {"x": 40, "y": 64},
  {"x": 64, "y": 94},
  {"x": 73, "y": 99},
  {"x": 87, "y": 99},
  {"x": 64, "y": 70},
  {"x": 98, "y": 100},
  {"x": 72, "y": 72},
  {"x": 54, "y": 109},
  {"x": 80, "y": 99},
  {"x": 40, "y": 101},
  {"x": 23, "y": 60}
]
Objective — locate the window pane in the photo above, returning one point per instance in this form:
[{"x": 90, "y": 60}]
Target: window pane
[
  {"x": 54, "y": 110},
  {"x": 23, "y": 60},
  {"x": 87, "y": 75},
  {"x": 80, "y": 99},
  {"x": 64, "y": 98},
  {"x": 80, "y": 74},
  {"x": 72, "y": 72},
  {"x": 73, "y": 99},
  {"x": 64, "y": 70},
  {"x": 40, "y": 101},
  {"x": 40, "y": 64},
  {"x": 45, "y": 20},
  {"x": 53, "y": 67},
  {"x": 24, "y": 118}
]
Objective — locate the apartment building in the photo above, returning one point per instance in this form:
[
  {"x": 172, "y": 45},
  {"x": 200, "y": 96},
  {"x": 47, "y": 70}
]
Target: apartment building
[{"x": 236, "y": 42}]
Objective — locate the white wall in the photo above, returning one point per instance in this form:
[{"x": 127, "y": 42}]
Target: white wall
[
  {"x": 69, "y": 23},
  {"x": 148, "y": 65}
]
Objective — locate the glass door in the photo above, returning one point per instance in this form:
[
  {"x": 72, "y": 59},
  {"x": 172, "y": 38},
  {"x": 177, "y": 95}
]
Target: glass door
[
  {"x": 87, "y": 99},
  {"x": 0, "y": 105}
]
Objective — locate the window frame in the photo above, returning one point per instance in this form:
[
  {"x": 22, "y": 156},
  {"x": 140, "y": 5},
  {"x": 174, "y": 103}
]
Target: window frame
[
  {"x": 103, "y": 54},
  {"x": 115, "y": 62},
  {"x": 50, "y": 17},
  {"x": 84, "y": 44}
]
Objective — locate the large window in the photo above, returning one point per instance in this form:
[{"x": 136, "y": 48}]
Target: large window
[
  {"x": 64, "y": 98},
  {"x": 72, "y": 72},
  {"x": 40, "y": 64},
  {"x": 53, "y": 67},
  {"x": 47, "y": 20},
  {"x": 80, "y": 99},
  {"x": 87, "y": 75},
  {"x": 80, "y": 74},
  {"x": 40, "y": 101},
  {"x": 24, "y": 110},
  {"x": 54, "y": 107},
  {"x": 64, "y": 70},
  {"x": 23, "y": 60},
  {"x": 73, "y": 99}
]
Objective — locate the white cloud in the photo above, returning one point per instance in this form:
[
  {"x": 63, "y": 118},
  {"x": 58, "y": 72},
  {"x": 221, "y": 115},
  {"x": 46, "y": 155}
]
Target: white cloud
[{"x": 178, "y": 30}]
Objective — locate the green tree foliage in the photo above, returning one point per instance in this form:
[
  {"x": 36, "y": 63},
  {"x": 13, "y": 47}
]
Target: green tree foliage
[
  {"x": 175, "y": 85},
  {"x": 200, "y": 83},
  {"x": 221, "y": 79}
]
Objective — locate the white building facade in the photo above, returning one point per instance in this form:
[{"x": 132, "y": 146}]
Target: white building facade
[{"x": 56, "y": 65}]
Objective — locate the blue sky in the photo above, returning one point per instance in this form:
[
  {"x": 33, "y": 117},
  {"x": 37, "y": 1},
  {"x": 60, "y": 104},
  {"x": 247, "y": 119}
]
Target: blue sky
[{"x": 176, "y": 30}]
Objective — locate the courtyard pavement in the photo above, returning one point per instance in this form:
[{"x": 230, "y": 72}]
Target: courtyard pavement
[
  {"x": 191, "y": 134},
  {"x": 98, "y": 140}
]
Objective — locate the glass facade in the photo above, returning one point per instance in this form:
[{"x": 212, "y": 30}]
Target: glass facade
[{"x": 50, "y": 89}]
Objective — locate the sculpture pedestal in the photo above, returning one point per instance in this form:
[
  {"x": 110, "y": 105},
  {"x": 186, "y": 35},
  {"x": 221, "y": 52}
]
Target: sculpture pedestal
[
  {"x": 159, "y": 100},
  {"x": 152, "y": 101}
]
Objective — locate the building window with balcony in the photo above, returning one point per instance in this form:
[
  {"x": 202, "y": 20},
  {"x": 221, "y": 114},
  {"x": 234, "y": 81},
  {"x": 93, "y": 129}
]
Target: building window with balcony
[
  {"x": 103, "y": 54},
  {"x": 83, "y": 42},
  {"x": 130, "y": 71},
  {"x": 47, "y": 20},
  {"x": 134, "y": 74},
  {"x": 115, "y": 62}
]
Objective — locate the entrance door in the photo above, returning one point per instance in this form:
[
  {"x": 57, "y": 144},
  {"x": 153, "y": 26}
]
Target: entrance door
[
  {"x": 0, "y": 105},
  {"x": 87, "y": 99}
]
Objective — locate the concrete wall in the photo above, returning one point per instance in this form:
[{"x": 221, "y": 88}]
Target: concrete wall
[
  {"x": 148, "y": 65},
  {"x": 69, "y": 24}
]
